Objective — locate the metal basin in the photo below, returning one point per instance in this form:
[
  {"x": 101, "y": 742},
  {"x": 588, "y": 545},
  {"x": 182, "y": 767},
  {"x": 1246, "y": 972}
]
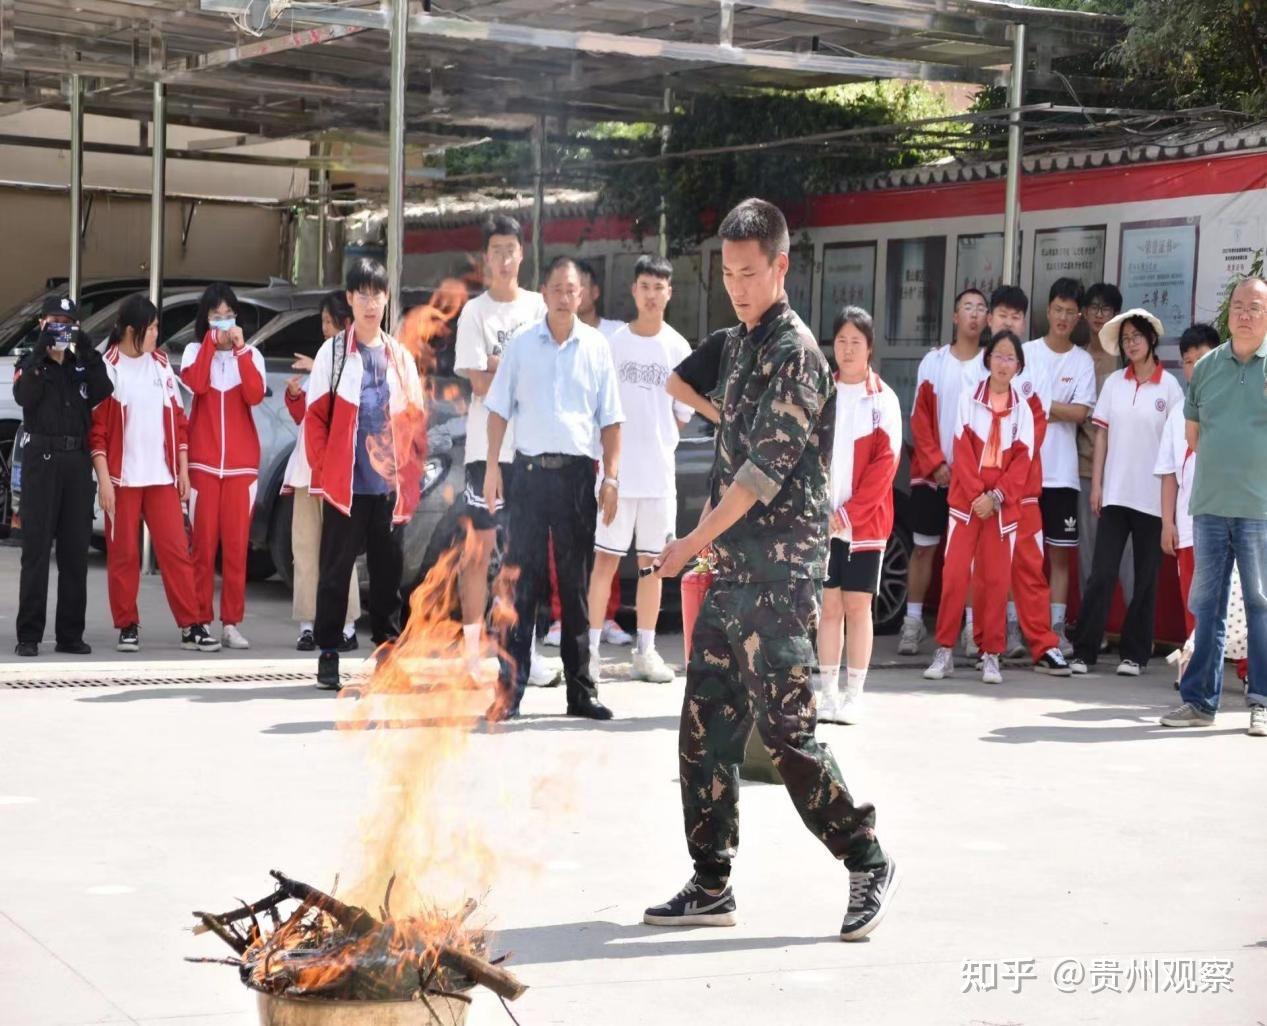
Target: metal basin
[{"x": 290, "y": 1011}]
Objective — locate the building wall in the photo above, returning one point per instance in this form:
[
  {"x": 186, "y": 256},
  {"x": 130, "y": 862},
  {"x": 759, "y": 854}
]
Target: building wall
[{"x": 240, "y": 240}]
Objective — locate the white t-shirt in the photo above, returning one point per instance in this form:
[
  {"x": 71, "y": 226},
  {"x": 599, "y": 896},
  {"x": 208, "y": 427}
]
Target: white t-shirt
[
  {"x": 1174, "y": 457},
  {"x": 649, "y": 435},
  {"x": 140, "y": 392},
  {"x": 485, "y": 326},
  {"x": 849, "y": 405},
  {"x": 1060, "y": 378},
  {"x": 1135, "y": 413}
]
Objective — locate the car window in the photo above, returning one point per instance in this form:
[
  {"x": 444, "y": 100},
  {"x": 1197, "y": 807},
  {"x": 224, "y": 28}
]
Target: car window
[
  {"x": 99, "y": 299},
  {"x": 174, "y": 317},
  {"x": 23, "y": 337},
  {"x": 251, "y": 318},
  {"x": 300, "y": 335}
]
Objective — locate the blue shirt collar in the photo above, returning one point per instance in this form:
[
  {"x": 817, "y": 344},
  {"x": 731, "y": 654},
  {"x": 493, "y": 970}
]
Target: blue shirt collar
[{"x": 548, "y": 337}]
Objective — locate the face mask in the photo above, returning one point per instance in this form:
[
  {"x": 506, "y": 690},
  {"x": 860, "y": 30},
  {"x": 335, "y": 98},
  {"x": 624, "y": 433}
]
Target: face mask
[
  {"x": 61, "y": 334},
  {"x": 224, "y": 323}
]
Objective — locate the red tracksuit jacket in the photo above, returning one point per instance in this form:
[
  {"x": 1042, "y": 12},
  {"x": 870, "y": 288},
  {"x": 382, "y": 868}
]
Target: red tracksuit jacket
[
  {"x": 329, "y": 427},
  {"x": 223, "y": 439},
  {"x": 1017, "y": 448},
  {"x": 109, "y": 418},
  {"x": 940, "y": 382},
  {"x": 865, "y": 451}
]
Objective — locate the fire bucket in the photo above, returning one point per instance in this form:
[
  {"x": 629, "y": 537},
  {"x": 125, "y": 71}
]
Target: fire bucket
[
  {"x": 695, "y": 586},
  {"x": 276, "y": 1010}
]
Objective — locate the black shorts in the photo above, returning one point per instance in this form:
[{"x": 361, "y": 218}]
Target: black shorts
[
  {"x": 1060, "y": 517},
  {"x": 481, "y": 518},
  {"x": 929, "y": 511},
  {"x": 853, "y": 571}
]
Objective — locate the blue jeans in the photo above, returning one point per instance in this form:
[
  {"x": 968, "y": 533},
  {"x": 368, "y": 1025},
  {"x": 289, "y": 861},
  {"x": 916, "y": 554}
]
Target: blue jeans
[{"x": 1218, "y": 541}]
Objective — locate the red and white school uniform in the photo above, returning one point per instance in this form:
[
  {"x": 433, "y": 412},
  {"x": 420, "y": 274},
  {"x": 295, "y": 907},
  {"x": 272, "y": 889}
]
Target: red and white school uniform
[
  {"x": 993, "y": 453},
  {"x": 330, "y": 424},
  {"x": 865, "y": 447},
  {"x": 942, "y": 378},
  {"x": 1174, "y": 457},
  {"x": 224, "y": 465},
  {"x": 144, "y": 407}
]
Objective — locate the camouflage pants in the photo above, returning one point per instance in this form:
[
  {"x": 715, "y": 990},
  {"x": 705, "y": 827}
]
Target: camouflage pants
[{"x": 751, "y": 659}]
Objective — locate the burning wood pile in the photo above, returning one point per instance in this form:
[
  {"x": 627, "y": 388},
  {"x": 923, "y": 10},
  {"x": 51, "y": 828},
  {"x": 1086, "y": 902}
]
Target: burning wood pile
[{"x": 337, "y": 952}]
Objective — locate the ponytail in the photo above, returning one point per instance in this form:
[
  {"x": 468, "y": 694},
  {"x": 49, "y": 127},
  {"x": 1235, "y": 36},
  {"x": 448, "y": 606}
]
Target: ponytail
[{"x": 136, "y": 312}]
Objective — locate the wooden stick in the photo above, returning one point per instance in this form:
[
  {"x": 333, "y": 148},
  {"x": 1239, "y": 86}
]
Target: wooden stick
[
  {"x": 263, "y": 905},
  {"x": 355, "y": 920},
  {"x": 499, "y": 981},
  {"x": 224, "y": 933}
]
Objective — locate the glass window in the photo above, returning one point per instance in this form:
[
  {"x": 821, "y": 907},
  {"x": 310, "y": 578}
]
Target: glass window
[
  {"x": 979, "y": 263},
  {"x": 915, "y": 271},
  {"x": 1063, "y": 253},
  {"x": 848, "y": 280},
  {"x": 298, "y": 335}
]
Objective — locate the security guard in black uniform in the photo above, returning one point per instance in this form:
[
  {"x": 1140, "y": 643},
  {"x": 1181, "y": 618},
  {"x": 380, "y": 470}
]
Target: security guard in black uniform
[{"x": 57, "y": 384}]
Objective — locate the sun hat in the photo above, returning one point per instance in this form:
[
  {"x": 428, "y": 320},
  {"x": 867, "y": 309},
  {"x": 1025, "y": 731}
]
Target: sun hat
[{"x": 1112, "y": 330}]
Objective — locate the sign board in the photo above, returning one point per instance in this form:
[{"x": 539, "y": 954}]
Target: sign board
[
  {"x": 1157, "y": 270},
  {"x": 1063, "y": 253},
  {"x": 848, "y": 280},
  {"x": 915, "y": 271}
]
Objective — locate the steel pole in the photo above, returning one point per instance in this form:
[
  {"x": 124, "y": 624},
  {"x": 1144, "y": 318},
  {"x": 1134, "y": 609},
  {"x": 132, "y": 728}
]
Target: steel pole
[
  {"x": 323, "y": 195},
  {"x": 666, "y": 132},
  {"x": 396, "y": 158},
  {"x": 1012, "y": 201},
  {"x": 538, "y": 201},
  {"x": 76, "y": 184},
  {"x": 158, "y": 201}
]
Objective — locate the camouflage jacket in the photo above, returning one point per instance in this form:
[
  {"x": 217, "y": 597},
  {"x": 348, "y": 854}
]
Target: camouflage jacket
[{"x": 778, "y": 411}]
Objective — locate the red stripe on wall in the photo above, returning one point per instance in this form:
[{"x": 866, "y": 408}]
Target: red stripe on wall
[{"x": 1121, "y": 183}]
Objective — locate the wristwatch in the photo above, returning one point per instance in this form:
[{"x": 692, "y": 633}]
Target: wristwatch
[{"x": 613, "y": 481}]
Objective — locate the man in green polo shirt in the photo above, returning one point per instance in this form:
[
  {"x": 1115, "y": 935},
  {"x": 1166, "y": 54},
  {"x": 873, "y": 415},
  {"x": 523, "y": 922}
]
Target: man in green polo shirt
[{"x": 1226, "y": 411}]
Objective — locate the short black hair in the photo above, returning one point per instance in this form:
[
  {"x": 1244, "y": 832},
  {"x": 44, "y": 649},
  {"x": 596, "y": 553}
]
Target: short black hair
[
  {"x": 757, "y": 219},
  {"x": 567, "y": 261},
  {"x": 1011, "y": 296},
  {"x": 1106, "y": 295},
  {"x": 583, "y": 267},
  {"x": 1145, "y": 327},
  {"x": 501, "y": 224},
  {"x": 655, "y": 266},
  {"x": 1066, "y": 288},
  {"x": 1199, "y": 335},
  {"x": 1005, "y": 336},
  {"x": 336, "y": 305},
  {"x": 860, "y": 319},
  {"x": 366, "y": 273},
  {"x": 212, "y": 296},
  {"x": 135, "y": 312},
  {"x": 969, "y": 292}
]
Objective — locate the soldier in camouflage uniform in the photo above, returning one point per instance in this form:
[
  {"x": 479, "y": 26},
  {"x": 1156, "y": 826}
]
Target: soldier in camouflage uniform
[{"x": 751, "y": 650}]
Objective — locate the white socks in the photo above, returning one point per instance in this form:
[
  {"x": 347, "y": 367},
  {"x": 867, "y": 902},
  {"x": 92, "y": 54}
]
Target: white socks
[
  {"x": 646, "y": 641},
  {"x": 1058, "y": 612},
  {"x": 855, "y": 679},
  {"x": 1011, "y": 612},
  {"x": 829, "y": 676},
  {"x": 596, "y": 636},
  {"x": 967, "y": 617},
  {"x": 915, "y": 610},
  {"x": 473, "y": 635},
  {"x": 349, "y": 629},
  {"x": 305, "y": 625}
]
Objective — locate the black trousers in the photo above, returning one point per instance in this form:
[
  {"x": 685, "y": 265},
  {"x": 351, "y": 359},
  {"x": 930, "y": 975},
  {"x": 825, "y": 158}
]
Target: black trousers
[
  {"x": 57, "y": 492},
  {"x": 545, "y": 504},
  {"x": 1117, "y": 524},
  {"x": 368, "y": 527}
]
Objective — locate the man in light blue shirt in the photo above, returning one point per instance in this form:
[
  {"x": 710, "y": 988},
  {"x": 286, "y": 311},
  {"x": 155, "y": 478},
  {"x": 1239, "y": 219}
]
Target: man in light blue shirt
[{"x": 557, "y": 380}]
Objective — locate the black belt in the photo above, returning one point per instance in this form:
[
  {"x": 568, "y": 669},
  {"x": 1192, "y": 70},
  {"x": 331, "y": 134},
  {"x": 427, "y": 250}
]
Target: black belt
[
  {"x": 552, "y": 460},
  {"x": 54, "y": 443}
]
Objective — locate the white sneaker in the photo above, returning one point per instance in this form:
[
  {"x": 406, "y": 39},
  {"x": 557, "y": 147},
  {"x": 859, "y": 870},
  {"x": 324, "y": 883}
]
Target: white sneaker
[
  {"x": 649, "y": 666},
  {"x": 970, "y": 649},
  {"x": 1015, "y": 645},
  {"x": 554, "y": 636},
  {"x": 1066, "y": 646},
  {"x": 943, "y": 665},
  {"x": 1078, "y": 666},
  {"x": 826, "y": 704},
  {"x": 1128, "y": 668},
  {"x": 542, "y": 672},
  {"x": 849, "y": 707},
  {"x": 614, "y": 634},
  {"x": 1258, "y": 721},
  {"x": 990, "y": 669},
  {"x": 913, "y": 632},
  {"x": 233, "y": 637}
]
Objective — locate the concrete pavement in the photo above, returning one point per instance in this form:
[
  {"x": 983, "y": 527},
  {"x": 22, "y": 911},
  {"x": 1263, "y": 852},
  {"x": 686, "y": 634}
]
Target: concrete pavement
[{"x": 1042, "y": 820}]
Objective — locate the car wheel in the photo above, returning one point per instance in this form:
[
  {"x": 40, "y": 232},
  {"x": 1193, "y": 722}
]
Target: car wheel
[{"x": 890, "y": 601}]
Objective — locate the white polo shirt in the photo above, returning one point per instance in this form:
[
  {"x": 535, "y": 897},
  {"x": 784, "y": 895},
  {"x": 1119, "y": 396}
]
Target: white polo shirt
[
  {"x": 1135, "y": 413},
  {"x": 1060, "y": 378},
  {"x": 1174, "y": 457}
]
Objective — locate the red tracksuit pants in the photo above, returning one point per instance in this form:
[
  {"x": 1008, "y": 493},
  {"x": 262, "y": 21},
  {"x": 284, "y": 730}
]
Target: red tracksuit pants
[
  {"x": 220, "y": 512},
  {"x": 159, "y": 506},
  {"x": 1030, "y": 590},
  {"x": 977, "y": 554}
]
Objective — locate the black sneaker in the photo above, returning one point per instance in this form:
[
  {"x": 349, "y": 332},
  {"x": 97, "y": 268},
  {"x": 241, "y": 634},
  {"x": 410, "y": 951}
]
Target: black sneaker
[
  {"x": 196, "y": 638},
  {"x": 79, "y": 647},
  {"x": 349, "y": 643},
  {"x": 694, "y": 906},
  {"x": 1053, "y": 663},
  {"x": 28, "y": 648},
  {"x": 328, "y": 671},
  {"x": 306, "y": 642},
  {"x": 129, "y": 639},
  {"x": 870, "y": 894}
]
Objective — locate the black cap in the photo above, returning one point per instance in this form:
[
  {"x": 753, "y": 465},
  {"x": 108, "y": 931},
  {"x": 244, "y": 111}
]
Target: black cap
[{"x": 60, "y": 306}]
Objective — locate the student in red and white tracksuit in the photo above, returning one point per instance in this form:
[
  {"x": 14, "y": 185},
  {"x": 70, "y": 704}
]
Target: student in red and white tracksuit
[
  {"x": 865, "y": 447},
  {"x": 226, "y": 377},
  {"x": 994, "y": 445},
  {"x": 142, "y": 480}
]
